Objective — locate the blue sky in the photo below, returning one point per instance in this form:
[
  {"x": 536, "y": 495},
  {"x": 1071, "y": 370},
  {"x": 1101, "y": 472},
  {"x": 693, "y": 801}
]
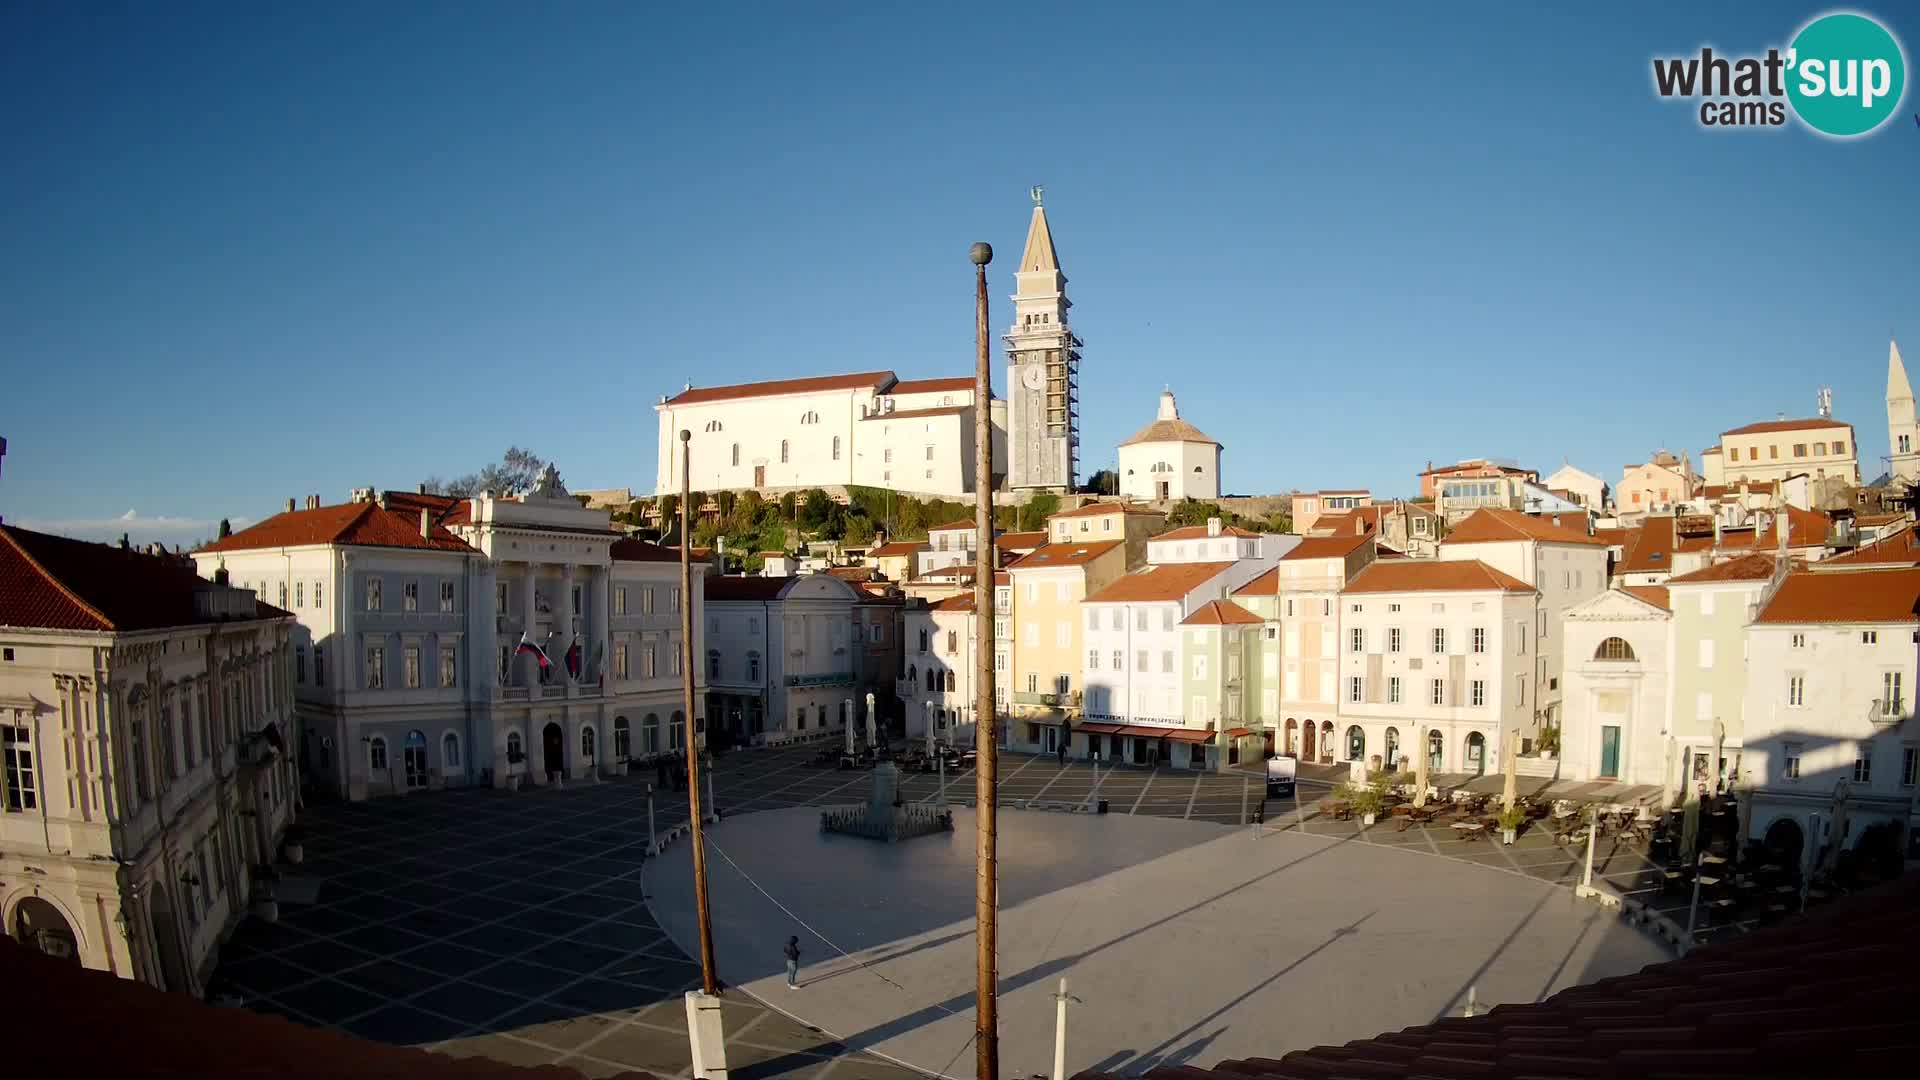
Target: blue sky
[{"x": 273, "y": 250}]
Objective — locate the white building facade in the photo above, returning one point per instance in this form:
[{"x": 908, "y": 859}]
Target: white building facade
[
  {"x": 779, "y": 657},
  {"x": 1615, "y": 721},
  {"x": 1169, "y": 460}
]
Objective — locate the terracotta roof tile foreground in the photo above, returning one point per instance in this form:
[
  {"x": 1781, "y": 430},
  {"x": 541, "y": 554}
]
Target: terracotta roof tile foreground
[
  {"x": 1220, "y": 613},
  {"x": 1433, "y": 575},
  {"x": 1870, "y": 596},
  {"x": 53, "y": 583},
  {"x": 962, "y": 602},
  {"x": 1168, "y": 582},
  {"x": 1825, "y": 995},
  {"x": 362, "y": 524},
  {"x": 1483, "y": 526},
  {"x": 133, "y": 1030},
  {"x": 1013, "y": 541}
]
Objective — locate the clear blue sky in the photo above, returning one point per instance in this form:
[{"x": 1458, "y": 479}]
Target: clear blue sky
[{"x": 256, "y": 254}]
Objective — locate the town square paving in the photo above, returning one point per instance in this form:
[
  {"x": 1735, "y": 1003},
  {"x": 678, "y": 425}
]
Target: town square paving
[{"x": 519, "y": 926}]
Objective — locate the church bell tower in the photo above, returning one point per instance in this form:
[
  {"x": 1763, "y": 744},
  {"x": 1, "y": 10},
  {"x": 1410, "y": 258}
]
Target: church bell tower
[{"x": 1043, "y": 369}]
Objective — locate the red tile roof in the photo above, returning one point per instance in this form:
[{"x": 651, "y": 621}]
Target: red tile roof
[
  {"x": 53, "y": 583},
  {"x": 1492, "y": 526},
  {"x": 1009, "y": 541},
  {"x": 907, "y": 414},
  {"x": 897, "y": 548},
  {"x": 1652, "y": 547},
  {"x": 362, "y": 524},
  {"x": 631, "y": 550},
  {"x": 1165, "y": 582},
  {"x": 932, "y": 386},
  {"x": 966, "y": 523},
  {"x": 1754, "y": 566},
  {"x": 1478, "y": 466},
  {"x": 854, "y": 574},
  {"x": 1433, "y": 575},
  {"x": 133, "y": 1030},
  {"x": 1067, "y": 554},
  {"x": 1326, "y": 547},
  {"x": 731, "y": 587},
  {"x": 1094, "y": 509},
  {"x": 1220, "y": 613},
  {"x": 1870, "y": 596},
  {"x": 860, "y": 380},
  {"x": 1652, "y": 594},
  {"x": 960, "y": 602},
  {"x": 1620, "y": 538},
  {"x": 446, "y": 509},
  {"x": 1267, "y": 584},
  {"x": 1787, "y": 425},
  {"x": 1199, "y": 532},
  {"x": 1898, "y": 548}
]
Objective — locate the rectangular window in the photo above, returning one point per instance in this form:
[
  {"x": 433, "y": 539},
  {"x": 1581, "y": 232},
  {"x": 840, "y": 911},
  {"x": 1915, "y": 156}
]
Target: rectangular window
[
  {"x": 1200, "y": 666},
  {"x": 1706, "y": 652},
  {"x": 1520, "y": 689},
  {"x": 319, "y": 666},
  {"x": 376, "y": 667},
  {"x": 1093, "y": 659},
  {"x": 1140, "y": 619},
  {"x": 373, "y": 594},
  {"x": 410, "y": 596},
  {"x": 446, "y": 596},
  {"x": 1863, "y": 767},
  {"x": 1393, "y": 689},
  {"x": 1140, "y": 660},
  {"x": 299, "y": 594},
  {"x": 449, "y": 673},
  {"x": 1797, "y": 641},
  {"x": 1166, "y": 618},
  {"x": 673, "y": 600},
  {"x": 411, "y": 658},
  {"x": 1119, "y": 660},
  {"x": 1869, "y": 637},
  {"x": 887, "y": 454},
  {"x": 23, "y": 792},
  {"x": 575, "y": 598},
  {"x": 1356, "y": 689},
  {"x": 300, "y": 664},
  {"x": 1479, "y": 639},
  {"x": 1840, "y": 445},
  {"x": 1437, "y": 692},
  {"x": 283, "y": 596},
  {"x": 1093, "y": 618},
  {"x": 1909, "y": 765},
  {"x": 1479, "y": 691},
  {"x": 1439, "y": 639},
  {"x": 646, "y": 600},
  {"x": 500, "y": 598},
  {"x": 1358, "y": 642},
  {"x": 1790, "y": 760},
  {"x": 1393, "y": 639},
  {"x": 620, "y": 600},
  {"x": 1166, "y": 661},
  {"x": 1796, "y": 691},
  {"x": 1799, "y": 449},
  {"x": 620, "y": 661}
]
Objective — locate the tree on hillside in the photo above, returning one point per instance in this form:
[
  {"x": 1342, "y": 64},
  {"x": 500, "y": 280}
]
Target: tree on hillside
[
  {"x": 859, "y": 531},
  {"x": 226, "y": 528},
  {"x": 815, "y": 508},
  {"x": 516, "y": 470},
  {"x": 669, "y": 510},
  {"x": 1034, "y": 514},
  {"x": 1192, "y": 512},
  {"x": 1104, "y": 482},
  {"x": 787, "y": 503}
]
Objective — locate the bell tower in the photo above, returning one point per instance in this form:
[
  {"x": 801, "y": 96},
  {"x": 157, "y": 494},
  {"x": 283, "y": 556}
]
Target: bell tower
[
  {"x": 1903, "y": 434},
  {"x": 1043, "y": 369}
]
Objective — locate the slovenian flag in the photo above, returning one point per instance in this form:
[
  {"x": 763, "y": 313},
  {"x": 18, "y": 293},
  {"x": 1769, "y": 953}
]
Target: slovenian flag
[
  {"x": 573, "y": 657},
  {"x": 527, "y": 646}
]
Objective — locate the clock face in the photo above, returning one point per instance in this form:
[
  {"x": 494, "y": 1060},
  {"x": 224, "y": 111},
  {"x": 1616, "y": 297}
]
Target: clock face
[{"x": 1034, "y": 377}]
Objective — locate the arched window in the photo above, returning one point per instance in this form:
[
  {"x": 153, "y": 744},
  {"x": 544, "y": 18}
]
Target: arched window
[
  {"x": 1436, "y": 751},
  {"x": 515, "y": 753},
  {"x": 377, "y": 753},
  {"x": 1293, "y": 736},
  {"x": 588, "y": 742},
  {"x": 933, "y": 679},
  {"x": 1393, "y": 748},
  {"x": 449, "y": 751},
  {"x": 622, "y": 739},
  {"x": 1356, "y": 744},
  {"x": 713, "y": 425},
  {"x": 736, "y": 453},
  {"x": 169, "y": 755},
  {"x": 783, "y": 451},
  {"x": 677, "y": 730},
  {"x": 923, "y": 641},
  {"x": 1476, "y": 753},
  {"x": 913, "y": 674},
  {"x": 836, "y": 448},
  {"x": 1326, "y": 740},
  {"x": 753, "y": 667},
  {"x": 650, "y": 734},
  {"x": 950, "y": 681},
  {"x": 1614, "y": 649}
]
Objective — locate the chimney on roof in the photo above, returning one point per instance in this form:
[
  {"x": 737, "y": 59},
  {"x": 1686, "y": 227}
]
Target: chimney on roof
[
  {"x": 1780, "y": 525},
  {"x": 423, "y": 487},
  {"x": 1213, "y": 526},
  {"x": 426, "y": 525},
  {"x": 289, "y": 506},
  {"x": 313, "y": 502},
  {"x": 220, "y": 577},
  {"x": 1716, "y": 531},
  {"x": 380, "y": 500}
]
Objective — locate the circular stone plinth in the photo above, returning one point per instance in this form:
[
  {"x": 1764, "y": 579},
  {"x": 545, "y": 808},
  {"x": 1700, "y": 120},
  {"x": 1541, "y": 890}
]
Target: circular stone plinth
[{"x": 1187, "y": 943}]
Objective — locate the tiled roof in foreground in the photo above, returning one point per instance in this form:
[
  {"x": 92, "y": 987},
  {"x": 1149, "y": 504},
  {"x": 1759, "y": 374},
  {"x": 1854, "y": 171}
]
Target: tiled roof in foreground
[{"x": 1825, "y": 995}]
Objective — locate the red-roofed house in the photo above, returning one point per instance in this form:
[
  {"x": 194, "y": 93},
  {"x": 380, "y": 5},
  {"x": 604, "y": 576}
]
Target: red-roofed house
[
  {"x": 1820, "y": 448},
  {"x": 407, "y": 669},
  {"x": 143, "y": 720},
  {"x": 1434, "y": 656},
  {"x": 1131, "y": 669}
]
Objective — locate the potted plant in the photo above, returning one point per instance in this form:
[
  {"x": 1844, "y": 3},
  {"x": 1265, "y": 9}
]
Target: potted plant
[
  {"x": 1510, "y": 820},
  {"x": 1367, "y": 800},
  {"x": 1549, "y": 742},
  {"x": 294, "y": 841}
]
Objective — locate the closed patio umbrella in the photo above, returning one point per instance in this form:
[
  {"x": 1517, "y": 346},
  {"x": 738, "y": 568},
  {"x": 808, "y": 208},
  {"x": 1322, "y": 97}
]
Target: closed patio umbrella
[
  {"x": 1420, "y": 767},
  {"x": 1510, "y": 792},
  {"x": 1838, "y": 828},
  {"x": 1690, "y": 827},
  {"x": 846, "y": 724}
]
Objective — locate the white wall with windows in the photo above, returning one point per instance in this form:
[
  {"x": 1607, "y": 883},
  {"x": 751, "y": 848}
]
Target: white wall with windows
[{"x": 1615, "y": 722}]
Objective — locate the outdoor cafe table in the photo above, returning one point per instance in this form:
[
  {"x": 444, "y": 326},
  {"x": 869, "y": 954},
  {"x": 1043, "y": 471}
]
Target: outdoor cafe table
[{"x": 1468, "y": 828}]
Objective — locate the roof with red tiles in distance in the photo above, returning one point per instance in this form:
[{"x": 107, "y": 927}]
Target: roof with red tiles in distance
[
  {"x": 854, "y": 574},
  {"x": 1620, "y": 538},
  {"x": 932, "y": 386},
  {"x": 1010, "y": 541},
  {"x": 1826, "y": 994},
  {"x": 896, "y": 549},
  {"x": 859, "y": 380},
  {"x": 1898, "y": 548},
  {"x": 54, "y": 583},
  {"x": 361, "y": 524},
  {"x": 1766, "y": 426},
  {"x": 631, "y": 550},
  {"x": 1220, "y": 613},
  {"x": 966, "y": 523},
  {"x": 1869, "y": 596},
  {"x": 1094, "y": 509},
  {"x": 1267, "y": 584},
  {"x": 157, "y": 1034},
  {"x": 1652, "y": 594},
  {"x": 1477, "y": 466},
  {"x": 1326, "y": 547},
  {"x": 1068, "y": 554},
  {"x": 1433, "y": 575},
  {"x": 1491, "y": 526},
  {"x": 1199, "y": 532},
  {"x": 1165, "y": 582},
  {"x": 731, "y": 587},
  {"x": 960, "y": 602},
  {"x": 1651, "y": 549},
  {"x": 446, "y": 509},
  {"x": 907, "y": 414},
  {"x": 1754, "y": 566}
]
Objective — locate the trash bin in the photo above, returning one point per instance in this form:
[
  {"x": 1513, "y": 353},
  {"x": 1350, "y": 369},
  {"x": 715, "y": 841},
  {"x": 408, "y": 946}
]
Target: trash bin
[{"x": 1102, "y": 807}]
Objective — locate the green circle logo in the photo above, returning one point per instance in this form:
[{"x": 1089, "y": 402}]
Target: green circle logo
[{"x": 1846, "y": 75}]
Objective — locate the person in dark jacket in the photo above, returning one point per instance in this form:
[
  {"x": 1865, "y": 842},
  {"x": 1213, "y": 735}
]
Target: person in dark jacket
[{"x": 793, "y": 963}]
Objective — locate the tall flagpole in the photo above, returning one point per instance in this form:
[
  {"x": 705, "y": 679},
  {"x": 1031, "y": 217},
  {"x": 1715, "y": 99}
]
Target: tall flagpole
[
  {"x": 986, "y": 900},
  {"x": 708, "y": 981}
]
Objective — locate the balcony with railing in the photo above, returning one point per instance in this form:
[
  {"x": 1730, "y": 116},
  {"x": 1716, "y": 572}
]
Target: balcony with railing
[{"x": 1888, "y": 712}]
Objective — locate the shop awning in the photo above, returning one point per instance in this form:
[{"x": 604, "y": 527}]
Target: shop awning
[
  {"x": 1189, "y": 735},
  {"x": 1101, "y": 729},
  {"x": 1240, "y": 732}
]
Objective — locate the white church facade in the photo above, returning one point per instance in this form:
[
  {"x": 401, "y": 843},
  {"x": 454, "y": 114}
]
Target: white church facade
[{"x": 1170, "y": 460}]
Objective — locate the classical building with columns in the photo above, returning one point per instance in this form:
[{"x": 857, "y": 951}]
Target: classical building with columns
[
  {"x": 409, "y": 671},
  {"x": 146, "y": 773}
]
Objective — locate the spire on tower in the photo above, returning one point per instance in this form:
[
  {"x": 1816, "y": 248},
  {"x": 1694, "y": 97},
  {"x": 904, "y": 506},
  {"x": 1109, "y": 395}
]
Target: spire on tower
[
  {"x": 1039, "y": 254},
  {"x": 1898, "y": 388}
]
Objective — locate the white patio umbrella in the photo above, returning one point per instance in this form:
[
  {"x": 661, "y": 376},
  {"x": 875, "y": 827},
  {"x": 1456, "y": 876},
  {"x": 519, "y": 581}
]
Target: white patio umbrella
[
  {"x": 872, "y": 737},
  {"x": 1420, "y": 767},
  {"x": 928, "y": 724},
  {"x": 1510, "y": 792},
  {"x": 847, "y": 724},
  {"x": 1838, "y": 828}
]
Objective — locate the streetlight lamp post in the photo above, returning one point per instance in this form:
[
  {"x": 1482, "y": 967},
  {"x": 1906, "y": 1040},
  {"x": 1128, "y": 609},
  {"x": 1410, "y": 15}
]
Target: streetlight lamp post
[{"x": 986, "y": 897}]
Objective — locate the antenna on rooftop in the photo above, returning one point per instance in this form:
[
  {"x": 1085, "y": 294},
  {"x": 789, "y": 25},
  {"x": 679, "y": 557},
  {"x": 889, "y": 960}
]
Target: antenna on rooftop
[{"x": 1826, "y": 402}]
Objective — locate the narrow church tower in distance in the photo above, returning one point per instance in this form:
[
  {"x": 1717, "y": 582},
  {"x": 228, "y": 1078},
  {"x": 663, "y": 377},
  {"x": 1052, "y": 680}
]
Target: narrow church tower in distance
[
  {"x": 1043, "y": 369},
  {"x": 1903, "y": 433}
]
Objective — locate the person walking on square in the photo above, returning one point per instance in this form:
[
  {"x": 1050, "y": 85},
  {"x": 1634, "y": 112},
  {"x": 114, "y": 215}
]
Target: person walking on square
[{"x": 793, "y": 963}]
